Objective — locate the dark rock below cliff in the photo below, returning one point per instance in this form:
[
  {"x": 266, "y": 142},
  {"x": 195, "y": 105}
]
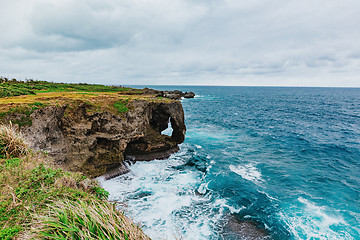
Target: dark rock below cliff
[
  {"x": 94, "y": 142},
  {"x": 243, "y": 230}
]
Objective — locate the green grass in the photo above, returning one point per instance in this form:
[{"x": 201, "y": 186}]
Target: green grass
[
  {"x": 9, "y": 232},
  {"x": 121, "y": 106},
  {"x": 24, "y": 112},
  {"x": 33, "y": 189},
  {"x": 38, "y": 201},
  {"x": 80, "y": 220},
  {"x": 9, "y": 88}
]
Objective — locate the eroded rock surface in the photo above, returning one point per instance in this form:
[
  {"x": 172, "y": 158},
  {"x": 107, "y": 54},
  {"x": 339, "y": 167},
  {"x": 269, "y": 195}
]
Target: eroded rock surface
[{"x": 94, "y": 142}]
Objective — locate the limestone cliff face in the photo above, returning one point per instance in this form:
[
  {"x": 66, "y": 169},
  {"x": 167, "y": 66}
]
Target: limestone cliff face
[{"x": 95, "y": 142}]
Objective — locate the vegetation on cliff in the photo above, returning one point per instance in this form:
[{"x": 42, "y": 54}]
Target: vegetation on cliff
[
  {"x": 38, "y": 201},
  {"x": 19, "y": 99},
  {"x": 13, "y": 87},
  {"x": 87, "y": 128}
]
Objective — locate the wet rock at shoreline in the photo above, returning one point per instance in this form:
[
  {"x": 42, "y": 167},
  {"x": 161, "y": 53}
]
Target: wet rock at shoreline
[{"x": 244, "y": 230}]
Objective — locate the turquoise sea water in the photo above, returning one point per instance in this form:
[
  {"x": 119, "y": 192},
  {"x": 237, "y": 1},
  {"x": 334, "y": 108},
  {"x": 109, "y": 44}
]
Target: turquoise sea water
[{"x": 286, "y": 159}]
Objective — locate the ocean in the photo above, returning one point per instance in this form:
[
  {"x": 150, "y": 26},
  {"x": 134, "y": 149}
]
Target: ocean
[{"x": 285, "y": 162}]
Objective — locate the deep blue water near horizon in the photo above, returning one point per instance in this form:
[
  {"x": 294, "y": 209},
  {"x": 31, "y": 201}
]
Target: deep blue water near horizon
[{"x": 287, "y": 159}]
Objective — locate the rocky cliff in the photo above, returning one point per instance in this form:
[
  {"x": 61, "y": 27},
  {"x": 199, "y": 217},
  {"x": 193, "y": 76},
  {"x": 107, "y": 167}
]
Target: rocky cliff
[{"x": 84, "y": 139}]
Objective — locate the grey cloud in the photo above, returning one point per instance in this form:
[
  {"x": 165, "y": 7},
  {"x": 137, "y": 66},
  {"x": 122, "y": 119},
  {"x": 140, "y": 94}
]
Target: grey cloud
[
  {"x": 84, "y": 25},
  {"x": 182, "y": 41},
  {"x": 77, "y": 27}
]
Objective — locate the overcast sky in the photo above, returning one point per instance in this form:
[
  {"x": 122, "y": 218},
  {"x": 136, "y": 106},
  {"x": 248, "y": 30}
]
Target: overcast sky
[{"x": 182, "y": 42}]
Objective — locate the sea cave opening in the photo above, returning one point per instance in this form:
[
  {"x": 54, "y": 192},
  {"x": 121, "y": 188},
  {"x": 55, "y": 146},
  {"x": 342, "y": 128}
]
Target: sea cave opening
[{"x": 169, "y": 130}]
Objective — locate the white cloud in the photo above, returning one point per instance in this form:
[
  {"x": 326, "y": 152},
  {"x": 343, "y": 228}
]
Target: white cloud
[{"x": 312, "y": 43}]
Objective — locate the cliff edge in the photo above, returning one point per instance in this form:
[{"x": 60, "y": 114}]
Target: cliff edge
[
  {"x": 96, "y": 142},
  {"x": 93, "y": 130}
]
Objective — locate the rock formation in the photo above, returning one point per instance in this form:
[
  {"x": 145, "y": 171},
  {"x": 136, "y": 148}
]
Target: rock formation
[
  {"x": 96, "y": 142},
  {"x": 245, "y": 229},
  {"x": 176, "y": 94}
]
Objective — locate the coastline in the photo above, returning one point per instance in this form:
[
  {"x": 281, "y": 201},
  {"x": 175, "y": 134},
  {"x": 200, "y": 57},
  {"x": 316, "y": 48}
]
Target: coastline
[{"x": 53, "y": 117}]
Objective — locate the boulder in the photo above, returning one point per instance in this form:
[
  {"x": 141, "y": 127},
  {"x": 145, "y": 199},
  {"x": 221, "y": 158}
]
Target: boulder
[
  {"x": 172, "y": 96},
  {"x": 189, "y": 95}
]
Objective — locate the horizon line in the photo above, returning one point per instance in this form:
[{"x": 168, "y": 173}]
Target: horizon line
[{"x": 197, "y": 85}]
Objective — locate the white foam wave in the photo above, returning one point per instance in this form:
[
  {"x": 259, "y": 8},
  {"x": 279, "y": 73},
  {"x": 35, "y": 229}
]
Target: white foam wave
[
  {"x": 202, "y": 188},
  {"x": 267, "y": 195},
  {"x": 310, "y": 221},
  {"x": 319, "y": 211},
  {"x": 248, "y": 172},
  {"x": 223, "y": 205},
  {"x": 167, "y": 200}
]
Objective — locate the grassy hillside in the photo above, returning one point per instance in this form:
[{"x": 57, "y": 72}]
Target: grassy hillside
[
  {"x": 19, "y": 99},
  {"x": 13, "y": 87},
  {"x": 38, "y": 201}
]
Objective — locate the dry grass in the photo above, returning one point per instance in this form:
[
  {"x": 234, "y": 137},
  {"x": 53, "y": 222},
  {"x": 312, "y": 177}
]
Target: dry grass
[
  {"x": 86, "y": 220},
  {"x": 38, "y": 201},
  {"x": 11, "y": 142},
  {"x": 100, "y": 99}
]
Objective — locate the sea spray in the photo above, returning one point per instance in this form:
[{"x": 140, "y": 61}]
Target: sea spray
[{"x": 169, "y": 198}]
